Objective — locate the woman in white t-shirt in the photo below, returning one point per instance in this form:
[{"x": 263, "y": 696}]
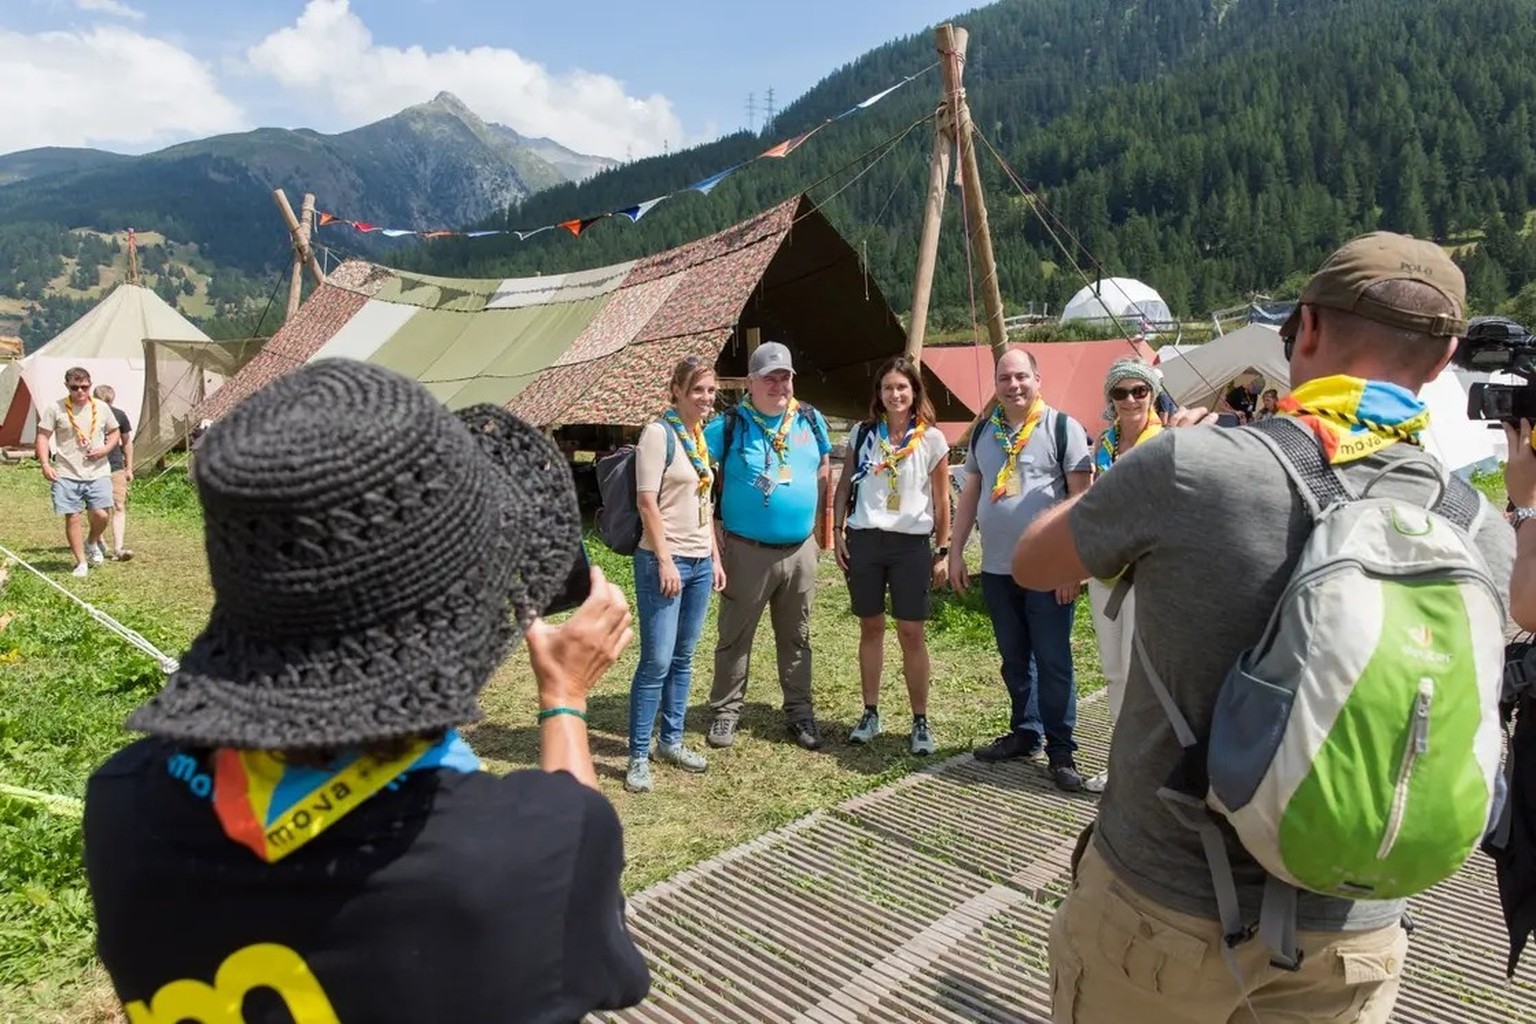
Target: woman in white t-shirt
[
  {"x": 892, "y": 496},
  {"x": 676, "y": 568}
]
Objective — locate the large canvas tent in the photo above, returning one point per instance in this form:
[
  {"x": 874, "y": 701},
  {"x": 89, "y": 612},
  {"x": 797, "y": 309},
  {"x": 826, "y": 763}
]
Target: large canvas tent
[
  {"x": 1201, "y": 374},
  {"x": 178, "y": 376},
  {"x": 596, "y": 346},
  {"x": 1071, "y": 376},
  {"x": 108, "y": 341}
]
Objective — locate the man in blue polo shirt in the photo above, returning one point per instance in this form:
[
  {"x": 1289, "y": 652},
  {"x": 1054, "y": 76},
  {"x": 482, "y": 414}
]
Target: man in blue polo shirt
[{"x": 771, "y": 453}]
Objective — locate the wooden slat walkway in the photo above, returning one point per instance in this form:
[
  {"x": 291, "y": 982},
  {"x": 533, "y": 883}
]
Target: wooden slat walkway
[{"x": 930, "y": 900}]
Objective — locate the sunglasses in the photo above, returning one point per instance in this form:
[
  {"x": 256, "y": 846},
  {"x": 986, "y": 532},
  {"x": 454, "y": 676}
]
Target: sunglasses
[
  {"x": 78, "y": 387},
  {"x": 1121, "y": 394},
  {"x": 1288, "y": 345}
]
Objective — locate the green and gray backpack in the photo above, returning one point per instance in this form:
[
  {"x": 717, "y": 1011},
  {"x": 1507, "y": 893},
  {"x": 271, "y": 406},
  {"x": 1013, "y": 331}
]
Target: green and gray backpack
[{"x": 1353, "y": 749}]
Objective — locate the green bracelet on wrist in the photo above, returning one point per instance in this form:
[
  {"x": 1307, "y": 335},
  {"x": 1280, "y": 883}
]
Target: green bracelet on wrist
[{"x": 548, "y": 713}]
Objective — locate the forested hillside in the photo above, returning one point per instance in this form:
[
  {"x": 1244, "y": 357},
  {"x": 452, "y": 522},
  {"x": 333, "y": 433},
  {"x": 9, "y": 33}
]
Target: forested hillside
[{"x": 1211, "y": 147}]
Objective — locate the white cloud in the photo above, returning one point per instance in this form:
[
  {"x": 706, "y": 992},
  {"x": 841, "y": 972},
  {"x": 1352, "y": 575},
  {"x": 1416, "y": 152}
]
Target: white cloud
[
  {"x": 329, "y": 50},
  {"x": 107, "y": 86},
  {"x": 112, "y": 7}
]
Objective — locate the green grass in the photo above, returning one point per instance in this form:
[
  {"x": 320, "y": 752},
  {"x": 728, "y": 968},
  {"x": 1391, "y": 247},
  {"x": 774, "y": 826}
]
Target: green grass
[{"x": 66, "y": 684}]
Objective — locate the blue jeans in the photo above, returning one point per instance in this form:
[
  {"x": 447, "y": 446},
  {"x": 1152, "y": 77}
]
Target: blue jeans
[
  {"x": 1034, "y": 636},
  {"x": 669, "y": 631}
]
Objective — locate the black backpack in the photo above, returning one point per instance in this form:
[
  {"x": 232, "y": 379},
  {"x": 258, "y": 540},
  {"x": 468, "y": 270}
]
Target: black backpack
[
  {"x": 619, "y": 525},
  {"x": 806, "y": 412},
  {"x": 1061, "y": 438}
]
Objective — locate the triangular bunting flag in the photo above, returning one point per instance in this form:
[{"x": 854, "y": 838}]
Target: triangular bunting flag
[
  {"x": 525, "y": 235},
  {"x": 634, "y": 213},
  {"x": 788, "y": 146},
  {"x": 482, "y": 234},
  {"x": 574, "y": 225},
  {"x": 363, "y": 226},
  {"x": 395, "y": 232},
  {"x": 708, "y": 184},
  {"x": 326, "y": 218}
]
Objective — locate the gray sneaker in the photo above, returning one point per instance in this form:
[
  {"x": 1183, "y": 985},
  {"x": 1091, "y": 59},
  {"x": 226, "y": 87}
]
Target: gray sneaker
[
  {"x": 1096, "y": 783},
  {"x": 96, "y": 552},
  {"x": 867, "y": 729},
  {"x": 921, "y": 740},
  {"x": 679, "y": 756},
  {"x": 722, "y": 731},
  {"x": 638, "y": 778}
]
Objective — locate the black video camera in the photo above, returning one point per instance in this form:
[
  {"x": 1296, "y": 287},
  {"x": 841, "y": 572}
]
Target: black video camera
[{"x": 1496, "y": 344}]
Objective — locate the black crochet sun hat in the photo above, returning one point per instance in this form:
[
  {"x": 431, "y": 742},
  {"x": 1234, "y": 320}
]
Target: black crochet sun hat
[{"x": 374, "y": 558}]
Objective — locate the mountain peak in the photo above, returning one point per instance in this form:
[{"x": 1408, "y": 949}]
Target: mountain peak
[{"x": 449, "y": 101}]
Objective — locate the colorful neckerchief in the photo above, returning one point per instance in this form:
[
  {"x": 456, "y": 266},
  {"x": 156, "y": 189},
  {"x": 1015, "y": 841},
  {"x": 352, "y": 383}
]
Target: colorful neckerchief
[
  {"x": 273, "y": 808},
  {"x": 1013, "y": 443},
  {"x": 693, "y": 447},
  {"x": 778, "y": 440},
  {"x": 1109, "y": 445},
  {"x": 890, "y": 458},
  {"x": 1354, "y": 417},
  {"x": 69, "y": 410}
]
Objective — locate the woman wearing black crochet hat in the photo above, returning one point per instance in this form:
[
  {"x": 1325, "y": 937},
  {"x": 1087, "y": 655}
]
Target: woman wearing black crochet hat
[{"x": 303, "y": 836}]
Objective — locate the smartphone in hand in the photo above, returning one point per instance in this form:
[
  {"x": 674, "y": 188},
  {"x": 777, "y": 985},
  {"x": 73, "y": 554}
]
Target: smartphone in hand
[{"x": 578, "y": 585}]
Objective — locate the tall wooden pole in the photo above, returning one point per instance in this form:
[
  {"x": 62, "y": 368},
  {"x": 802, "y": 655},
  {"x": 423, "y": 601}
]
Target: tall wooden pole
[
  {"x": 975, "y": 202},
  {"x": 303, "y": 255},
  {"x": 928, "y": 245},
  {"x": 954, "y": 129}
]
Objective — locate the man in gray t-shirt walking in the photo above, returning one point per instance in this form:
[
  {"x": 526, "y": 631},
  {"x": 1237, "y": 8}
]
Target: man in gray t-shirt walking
[
  {"x": 1139, "y": 936},
  {"x": 1024, "y": 459}
]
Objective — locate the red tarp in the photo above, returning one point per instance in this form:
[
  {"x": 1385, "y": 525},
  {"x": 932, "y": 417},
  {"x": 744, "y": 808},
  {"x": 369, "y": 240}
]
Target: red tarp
[{"x": 1071, "y": 376}]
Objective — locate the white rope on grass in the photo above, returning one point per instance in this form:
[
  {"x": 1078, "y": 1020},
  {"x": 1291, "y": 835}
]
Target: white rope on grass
[
  {"x": 65, "y": 806},
  {"x": 167, "y": 663}
]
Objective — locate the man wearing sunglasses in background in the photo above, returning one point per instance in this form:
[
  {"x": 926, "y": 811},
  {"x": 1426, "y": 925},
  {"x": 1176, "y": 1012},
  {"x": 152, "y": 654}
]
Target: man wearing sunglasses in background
[{"x": 82, "y": 430}]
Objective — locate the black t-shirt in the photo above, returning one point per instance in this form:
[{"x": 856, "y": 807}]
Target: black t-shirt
[
  {"x": 115, "y": 457},
  {"x": 451, "y": 897}
]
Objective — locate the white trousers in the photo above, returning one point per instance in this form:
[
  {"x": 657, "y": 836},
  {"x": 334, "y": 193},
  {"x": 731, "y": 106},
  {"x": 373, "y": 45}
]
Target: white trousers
[{"x": 1114, "y": 637}]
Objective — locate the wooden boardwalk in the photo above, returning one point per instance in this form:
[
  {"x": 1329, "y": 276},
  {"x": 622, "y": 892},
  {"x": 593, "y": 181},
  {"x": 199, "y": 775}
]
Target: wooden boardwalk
[{"x": 930, "y": 900}]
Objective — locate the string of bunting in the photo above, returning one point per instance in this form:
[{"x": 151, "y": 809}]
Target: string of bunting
[{"x": 577, "y": 225}]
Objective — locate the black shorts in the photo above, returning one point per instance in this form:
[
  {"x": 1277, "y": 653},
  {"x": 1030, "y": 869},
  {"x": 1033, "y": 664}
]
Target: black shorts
[{"x": 902, "y": 561}]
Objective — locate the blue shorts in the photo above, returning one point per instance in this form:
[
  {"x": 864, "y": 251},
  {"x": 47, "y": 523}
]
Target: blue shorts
[{"x": 73, "y": 496}]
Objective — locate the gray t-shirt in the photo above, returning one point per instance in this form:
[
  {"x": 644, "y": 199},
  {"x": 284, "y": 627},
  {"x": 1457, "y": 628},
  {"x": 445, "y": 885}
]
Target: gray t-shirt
[
  {"x": 1042, "y": 484},
  {"x": 1214, "y": 528}
]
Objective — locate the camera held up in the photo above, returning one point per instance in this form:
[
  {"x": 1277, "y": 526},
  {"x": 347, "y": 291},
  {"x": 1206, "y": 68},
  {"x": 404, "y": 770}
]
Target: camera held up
[{"x": 1497, "y": 344}]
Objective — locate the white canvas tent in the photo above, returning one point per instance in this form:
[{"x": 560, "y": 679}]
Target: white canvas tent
[
  {"x": 1201, "y": 374},
  {"x": 1118, "y": 298},
  {"x": 108, "y": 341}
]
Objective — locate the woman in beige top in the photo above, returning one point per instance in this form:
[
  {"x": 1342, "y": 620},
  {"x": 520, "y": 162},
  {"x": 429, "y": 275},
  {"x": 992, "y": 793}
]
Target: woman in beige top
[{"x": 675, "y": 569}]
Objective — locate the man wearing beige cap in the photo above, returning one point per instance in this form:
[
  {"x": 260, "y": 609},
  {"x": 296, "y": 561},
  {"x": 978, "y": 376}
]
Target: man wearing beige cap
[{"x": 1148, "y": 932}]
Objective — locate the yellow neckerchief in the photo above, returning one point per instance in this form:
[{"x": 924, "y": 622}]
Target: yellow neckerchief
[
  {"x": 1353, "y": 417},
  {"x": 1109, "y": 444},
  {"x": 777, "y": 439},
  {"x": 1014, "y": 444},
  {"x": 273, "y": 808},
  {"x": 890, "y": 458},
  {"x": 69, "y": 410},
  {"x": 693, "y": 447}
]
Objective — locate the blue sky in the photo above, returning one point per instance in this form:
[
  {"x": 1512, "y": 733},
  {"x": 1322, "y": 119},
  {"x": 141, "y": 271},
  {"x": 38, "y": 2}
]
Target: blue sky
[{"x": 597, "y": 75}]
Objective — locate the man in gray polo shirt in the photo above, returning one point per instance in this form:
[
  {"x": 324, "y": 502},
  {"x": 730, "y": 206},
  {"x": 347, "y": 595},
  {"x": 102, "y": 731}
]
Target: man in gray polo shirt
[{"x": 1023, "y": 460}]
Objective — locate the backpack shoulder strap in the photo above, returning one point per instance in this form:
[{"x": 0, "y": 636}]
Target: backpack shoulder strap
[
  {"x": 1061, "y": 441},
  {"x": 809, "y": 414},
  {"x": 1298, "y": 451}
]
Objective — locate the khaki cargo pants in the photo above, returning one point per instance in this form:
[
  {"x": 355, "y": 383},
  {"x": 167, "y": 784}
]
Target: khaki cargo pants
[
  {"x": 1120, "y": 958},
  {"x": 783, "y": 580}
]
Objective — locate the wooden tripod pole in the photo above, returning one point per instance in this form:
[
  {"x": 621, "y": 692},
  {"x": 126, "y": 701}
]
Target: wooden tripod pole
[
  {"x": 975, "y": 203},
  {"x": 303, "y": 255},
  {"x": 928, "y": 245}
]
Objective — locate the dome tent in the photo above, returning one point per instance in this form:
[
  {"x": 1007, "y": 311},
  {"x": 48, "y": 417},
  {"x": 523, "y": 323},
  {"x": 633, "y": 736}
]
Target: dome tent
[{"x": 1118, "y": 298}]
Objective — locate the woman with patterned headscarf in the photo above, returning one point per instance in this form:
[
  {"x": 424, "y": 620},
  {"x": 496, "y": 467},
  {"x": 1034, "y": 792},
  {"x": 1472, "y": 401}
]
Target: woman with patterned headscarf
[{"x": 1131, "y": 390}]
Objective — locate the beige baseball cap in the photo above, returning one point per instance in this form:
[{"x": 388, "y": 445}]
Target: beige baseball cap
[{"x": 1380, "y": 256}]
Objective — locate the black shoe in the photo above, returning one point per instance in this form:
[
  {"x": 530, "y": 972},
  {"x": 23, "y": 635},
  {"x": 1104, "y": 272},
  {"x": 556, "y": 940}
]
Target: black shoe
[
  {"x": 1066, "y": 776},
  {"x": 1009, "y": 747},
  {"x": 806, "y": 734}
]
